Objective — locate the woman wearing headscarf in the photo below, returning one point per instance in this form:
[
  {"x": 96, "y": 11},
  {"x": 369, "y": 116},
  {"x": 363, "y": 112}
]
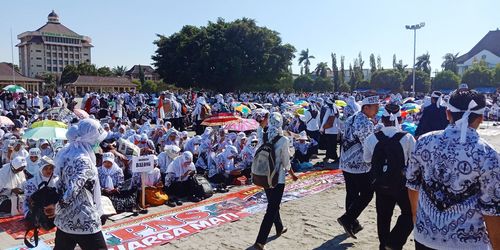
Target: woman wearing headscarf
[
  {"x": 44, "y": 173},
  {"x": 183, "y": 137},
  {"x": 46, "y": 149},
  {"x": 192, "y": 145},
  {"x": 32, "y": 163},
  {"x": 78, "y": 213},
  {"x": 351, "y": 108},
  {"x": 241, "y": 141},
  {"x": 220, "y": 172},
  {"x": 205, "y": 152},
  {"x": 179, "y": 181},
  {"x": 274, "y": 195},
  {"x": 18, "y": 150},
  {"x": 11, "y": 192},
  {"x": 170, "y": 152}
]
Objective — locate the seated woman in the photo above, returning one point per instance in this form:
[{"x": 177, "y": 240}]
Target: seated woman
[
  {"x": 247, "y": 155},
  {"x": 224, "y": 170},
  {"x": 46, "y": 148},
  {"x": 302, "y": 147},
  {"x": 33, "y": 162},
  {"x": 179, "y": 182},
  {"x": 11, "y": 184},
  {"x": 111, "y": 178},
  {"x": 45, "y": 173},
  {"x": 154, "y": 185}
]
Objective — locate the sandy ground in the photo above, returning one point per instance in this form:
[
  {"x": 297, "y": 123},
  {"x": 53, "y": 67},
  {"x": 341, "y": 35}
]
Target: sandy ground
[{"x": 311, "y": 222}]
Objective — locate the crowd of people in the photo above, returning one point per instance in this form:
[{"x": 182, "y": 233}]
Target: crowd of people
[{"x": 442, "y": 175}]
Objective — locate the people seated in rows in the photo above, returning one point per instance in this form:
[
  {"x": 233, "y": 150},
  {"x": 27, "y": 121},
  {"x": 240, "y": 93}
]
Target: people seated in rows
[
  {"x": 179, "y": 179},
  {"x": 11, "y": 186},
  {"x": 33, "y": 162},
  {"x": 111, "y": 177},
  {"x": 44, "y": 173}
]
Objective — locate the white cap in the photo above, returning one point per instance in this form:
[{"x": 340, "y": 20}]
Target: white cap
[
  {"x": 370, "y": 100},
  {"x": 108, "y": 157}
]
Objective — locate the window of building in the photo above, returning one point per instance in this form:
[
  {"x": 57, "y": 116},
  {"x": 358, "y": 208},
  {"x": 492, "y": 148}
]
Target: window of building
[
  {"x": 77, "y": 49},
  {"x": 60, "y": 61},
  {"x": 85, "y": 54},
  {"x": 66, "y": 62},
  {"x": 61, "y": 69},
  {"x": 71, "y": 56},
  {"x": 77, "y": 56},
  {"x": 77, "y": 62},
  {"x": 71, "y": 49},
  {"x": 49, "y": 68},
  {"x": 38, "y": 58},
  {"x": 39, "y": 51},
  {"x": 65, "y": 55},
  {"x": 60, "y": 55},
  {"x": 38, "y": 66},
  {"x": 54, "y": 61},
  {"x": 71, "y": 62},
  {"x": 47, "y": 47},
  {"x": 48, "y": 53},
  {"x": 65, "y": 48},
  {"x": 54, "y": 69},
  {"x": 54, "y": 54},
  {"x": 48, "y": 61}
]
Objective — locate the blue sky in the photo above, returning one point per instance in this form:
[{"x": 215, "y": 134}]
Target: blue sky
[{"x": 123, "y": 31}]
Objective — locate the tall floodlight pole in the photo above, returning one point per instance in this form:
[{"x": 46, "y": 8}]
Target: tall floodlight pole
[{"x": 414, "y": 28}]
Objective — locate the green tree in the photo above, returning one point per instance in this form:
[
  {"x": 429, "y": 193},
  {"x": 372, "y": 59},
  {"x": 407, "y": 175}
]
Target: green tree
[
  {"x": 119, "y": 70},
  {"x": 335, "y": 69},
  {"x": 303, "y": 83},
  {"x": 445, "y": 79},
  {"x": 373, "y": 64},
  {"x": 342, "y": 70},
  {"x": 87, "y": 69},
  {"x": 69, "y": 74},
  {"x": 222, "y": 55},
  {"x": 394, "y": 61},
  {"x": 149, "y": 87},
  {"x": 344, "y": 88},
  {"x": 104, "y": 71},
  {"x": 379, "y": 62},
  {"x": 424, "y": 63},
  {"x": 497, "y": 74},
  {"x": 478, "y": 75},
  {"x": 352, "y": 77},
  {"x": 422, "y": 81},
  {"x": 390, "y": 79},
  {"x": 322, "y": 69},
  {"x": 322, "y": 84},
  {"x": 304, "y": 58},
  {"x": 450, "y": 62}
]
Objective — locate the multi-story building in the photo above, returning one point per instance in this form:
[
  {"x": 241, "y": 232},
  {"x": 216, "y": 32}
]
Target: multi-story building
[
  {"x": 487, "y": 49},
  {"x": 51, "y": 48}
]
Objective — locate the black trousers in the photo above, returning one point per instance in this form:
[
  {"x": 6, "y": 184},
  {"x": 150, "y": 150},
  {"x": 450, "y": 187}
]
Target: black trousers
[
  {"x": 272, "y": 215},
  {"x": 66, "y": 241},
  {"x": 359, "y": 194},
  {"x": 419, "y": 246},
  {"x": 181, "y": 189},
  {"x": 331, "y": 146},
  {"x": 395, "y": 238},
  {"x": 199, "y": 129},
  {"x": 314, "y": 135}
]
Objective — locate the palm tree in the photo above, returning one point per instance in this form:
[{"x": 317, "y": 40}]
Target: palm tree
[
  {"x": 450, "y": 62},
  {"x": 322, "y": 69},
  {"x": 304, "y": 58},
  {"x": 424, "y": 63},
  {"x": 119, "y": 70}
]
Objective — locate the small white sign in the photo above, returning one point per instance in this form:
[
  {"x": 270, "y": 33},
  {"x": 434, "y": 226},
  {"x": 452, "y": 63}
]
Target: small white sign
[{"x": 142, "y": 164}]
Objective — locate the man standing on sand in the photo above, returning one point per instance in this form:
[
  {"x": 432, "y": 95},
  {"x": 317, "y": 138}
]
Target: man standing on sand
[
  {"x": 355, "y": 170},
  {"x": 454, "y": 182}
]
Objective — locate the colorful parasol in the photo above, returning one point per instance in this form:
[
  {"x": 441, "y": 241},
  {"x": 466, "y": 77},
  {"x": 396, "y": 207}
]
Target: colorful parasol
[
  {"x": 408, "y": 106},
  {"x": 49, "y": 123},
  {"x": 340, "y": 103},
  {"x": 6, "y": 121},
  {"x": 49, "y": 133},
  {"x": 243, "y": 109},
  {"x": 14, "y": 89},
  {"x": 80, "y": 113},
  {"x": 242, "y": 125},
  {"x": 220, "y": 119},
  {"x": 409, "y": 127}
]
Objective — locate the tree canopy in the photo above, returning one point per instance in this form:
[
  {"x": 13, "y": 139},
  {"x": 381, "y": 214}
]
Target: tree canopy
[
  {"x": 446, "y": 79},
  {"x": 223, "y": 55},
  {"x": 389, "y": 79},
  {"x": 478, "y": 75}
]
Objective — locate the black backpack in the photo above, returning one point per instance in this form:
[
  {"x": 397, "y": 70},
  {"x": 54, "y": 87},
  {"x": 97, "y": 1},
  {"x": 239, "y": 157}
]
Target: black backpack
[
  {"x": 41, "y": 198},
  {"x": 203, "y": 188},
  {"x": 388, "y": 164}
]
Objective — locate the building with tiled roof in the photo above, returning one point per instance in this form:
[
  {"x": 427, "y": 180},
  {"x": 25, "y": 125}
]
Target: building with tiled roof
[
  {"x": 9, "y": 76},
  {"x": 52, "y": 47},
  {"x": 101, "y": 84},
  {"x": 487, "y": 49},
  {"x": 149, "y": 73}
]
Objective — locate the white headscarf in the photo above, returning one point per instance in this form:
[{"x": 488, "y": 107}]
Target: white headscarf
[
  {"x": 11, "y": 180},
  {"x": 39, "y": 178},
  {"x": 463, "y": 123},
  {"x": 275, "y": 126},
  {"x": 108, "y": 172},
  {"x": 176, "y": 168},
  {"x": 351, "y": 101}
]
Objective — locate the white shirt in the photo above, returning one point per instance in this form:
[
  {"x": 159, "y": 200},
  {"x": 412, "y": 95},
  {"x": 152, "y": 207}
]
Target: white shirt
[
  {"x": 407, "y": 142},
  {"x": 312, "y": 124},
  {"x": 335, "y": 128}
]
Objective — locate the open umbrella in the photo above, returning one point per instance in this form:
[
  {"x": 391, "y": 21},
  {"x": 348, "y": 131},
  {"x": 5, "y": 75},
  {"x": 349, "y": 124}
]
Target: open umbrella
[
  {"x": 340, "y": 103},
  {"x": 60, "y": 113},
  {"x": 220, "y": 119},
  {"x": 6, "y": 121},
  {"x": 242, "y": 125},
  {"x": 49, "y": 123},
  {"x": 14, "y": 89},
  {"x": 243, "y": 109},
  {"x": 80, "y": 113},
  {"x": 408, "y": 106},
  {"x": 48, "y": 133}
]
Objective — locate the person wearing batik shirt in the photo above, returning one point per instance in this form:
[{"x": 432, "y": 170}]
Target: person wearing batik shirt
[
  {"x": 453, "y": 181},
  {"x": 359, "y": 192}
]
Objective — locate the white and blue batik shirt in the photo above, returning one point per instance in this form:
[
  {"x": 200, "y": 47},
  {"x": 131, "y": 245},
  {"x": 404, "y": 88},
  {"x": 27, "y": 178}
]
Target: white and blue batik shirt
[{"x": 458, "y": 184}]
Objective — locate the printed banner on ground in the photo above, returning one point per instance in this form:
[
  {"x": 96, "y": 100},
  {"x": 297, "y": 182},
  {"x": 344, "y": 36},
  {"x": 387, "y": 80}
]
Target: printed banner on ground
[{"x": 160, "y": 229}]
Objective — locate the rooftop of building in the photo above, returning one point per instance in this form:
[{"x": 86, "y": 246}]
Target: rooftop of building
[
  {"x": 490, "y": 42},
  {"x": 7, "y": 76}
]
